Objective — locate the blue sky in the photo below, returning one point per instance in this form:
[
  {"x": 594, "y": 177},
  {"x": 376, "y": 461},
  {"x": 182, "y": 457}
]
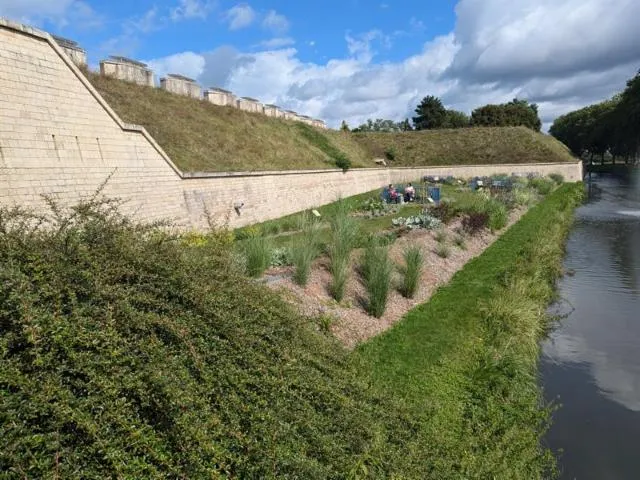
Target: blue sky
[{"x": 357, "y": 59}]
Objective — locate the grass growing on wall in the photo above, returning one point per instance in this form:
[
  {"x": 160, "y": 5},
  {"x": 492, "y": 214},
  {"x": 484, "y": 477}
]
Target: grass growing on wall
[{"x": 466, "y": 362}]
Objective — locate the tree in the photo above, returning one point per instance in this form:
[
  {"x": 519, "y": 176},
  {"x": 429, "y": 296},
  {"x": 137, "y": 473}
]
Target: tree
[
  {"x": 405, "y": 125},
  {"x": 379, "y": 125},
  {"x": 513, "y": 114},
  {"x": 430, "y": 114},
  {"x": 455, "y": 119},
  {"x": 344, "y": 126}
]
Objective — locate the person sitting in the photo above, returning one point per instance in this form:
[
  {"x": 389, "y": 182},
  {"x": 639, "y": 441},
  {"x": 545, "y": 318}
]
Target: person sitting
[
  {"x": 409, "y": 193},
  {"x": 393, "y": 194}
]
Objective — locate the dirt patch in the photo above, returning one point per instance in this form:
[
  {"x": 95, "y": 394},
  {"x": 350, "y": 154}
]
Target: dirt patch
[{"x": 352, "y": 323}]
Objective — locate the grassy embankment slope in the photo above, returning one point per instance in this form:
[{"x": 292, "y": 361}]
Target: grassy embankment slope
[
  {"x": 127, "y": 353},
  {"x": 199, "y": 136}
]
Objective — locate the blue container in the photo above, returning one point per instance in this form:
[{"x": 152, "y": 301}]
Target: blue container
[{"x": 434, "y": 193}]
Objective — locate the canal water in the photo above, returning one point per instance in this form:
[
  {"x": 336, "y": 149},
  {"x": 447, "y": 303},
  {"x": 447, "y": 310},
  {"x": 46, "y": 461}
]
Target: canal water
[{"x": 591, "y": 362}]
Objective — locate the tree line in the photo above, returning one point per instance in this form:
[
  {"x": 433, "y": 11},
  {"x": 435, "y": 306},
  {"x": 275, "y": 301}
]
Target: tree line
[
  {"x": 431, "y": 114},
  {"x": 609, "y": 128}
]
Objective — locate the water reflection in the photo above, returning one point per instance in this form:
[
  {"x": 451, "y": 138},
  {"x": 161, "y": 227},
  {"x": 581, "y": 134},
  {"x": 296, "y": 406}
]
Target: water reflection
[{"x": 595, "y": 349}]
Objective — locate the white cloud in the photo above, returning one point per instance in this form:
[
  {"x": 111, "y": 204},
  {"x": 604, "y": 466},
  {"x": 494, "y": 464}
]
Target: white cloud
[
  {"x": 189, "y": 9},
  {"x": 275, "y": 22},
  {"x": 499, "y": 49},
  {"x": 61, "y": 13},
  {"x": 277, "y": 42},
  {"x": 240, "y": 16},
  {"x": 189, "y": 64}
]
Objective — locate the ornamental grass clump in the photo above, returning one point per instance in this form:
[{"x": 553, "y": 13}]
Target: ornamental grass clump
[
  {"x": 443, "y": 250},
  {"x": 376, "y": 269},
  {"x": 258, "y": 254},
  {"x": 305, "y": 250},
  {"x": 411, "y": 271},
  {"x": 344, "y": 233}
]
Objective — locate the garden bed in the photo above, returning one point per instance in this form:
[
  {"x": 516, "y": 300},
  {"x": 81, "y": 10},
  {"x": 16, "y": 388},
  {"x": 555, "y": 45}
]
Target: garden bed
[
  {"x": 445, "y": 236},
  {"x": 349, "y": 320}
]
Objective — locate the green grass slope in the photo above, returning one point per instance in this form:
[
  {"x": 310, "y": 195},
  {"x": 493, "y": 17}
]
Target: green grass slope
[
  {"x": 200, "y": 137},
  {"x": 466, "y": 146}
]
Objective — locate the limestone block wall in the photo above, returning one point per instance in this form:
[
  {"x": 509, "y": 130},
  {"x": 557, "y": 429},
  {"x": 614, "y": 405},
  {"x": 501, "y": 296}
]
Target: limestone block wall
[
  {"x": 128, "y": 70},
  {"x": 58, "y": 137},
  {"x": 273, "y": 111},
  {"x": 249, "y": 104},
  {"x": 181, "y": 85},
  {"x": 221, "y": 97},
  {"x": 77, "y": 54}
]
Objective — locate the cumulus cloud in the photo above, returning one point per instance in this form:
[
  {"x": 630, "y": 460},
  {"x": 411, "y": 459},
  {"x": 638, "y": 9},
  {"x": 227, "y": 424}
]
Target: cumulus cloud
[
  {"x": 240, "y": 16},
  {"x": 561, "y": 57},
  {"x": 189, "y": 64},
  {"x": 60, "y": 13},
  {"x": 275, "y": 22},
  {"x": 188, "y": 9}
]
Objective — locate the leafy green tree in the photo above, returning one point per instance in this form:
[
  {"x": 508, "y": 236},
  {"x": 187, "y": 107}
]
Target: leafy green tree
[
  {"x": 378, "y": 125},
  {"x": 512, "y": 114},
  {"x": 345, "y": 126},
  {"x": 405, "y": 125},
  {"x": 455, "y": 119},
  {"x": 430, "y": 114}
]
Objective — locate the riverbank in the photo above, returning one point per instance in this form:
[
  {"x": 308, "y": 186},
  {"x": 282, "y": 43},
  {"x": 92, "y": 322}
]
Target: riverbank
[{"x": 465, "y": 363}]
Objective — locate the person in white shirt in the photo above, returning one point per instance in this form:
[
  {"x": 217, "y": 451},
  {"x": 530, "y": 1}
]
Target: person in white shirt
[{"x": 409, "y": 193}]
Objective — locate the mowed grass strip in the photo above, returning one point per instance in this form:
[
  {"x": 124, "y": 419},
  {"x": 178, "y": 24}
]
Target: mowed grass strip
[{"x": 466, "y": 361}]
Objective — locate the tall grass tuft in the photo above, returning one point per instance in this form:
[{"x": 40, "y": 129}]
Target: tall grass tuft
[
  {"x": 498, "y": 215},
  {"x": 344, "y": 232},
  {"x": 305, "y": 250},
  {"x": 443, "y": 250},
  {"x": 376, "y": 271},
  {"x": 258, "y": 253},
  {"x": 412, "y": 271}
]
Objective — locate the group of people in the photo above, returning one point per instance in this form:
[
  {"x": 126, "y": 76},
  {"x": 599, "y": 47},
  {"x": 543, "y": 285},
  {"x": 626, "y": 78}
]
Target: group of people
[{"x": 394, "y": 195}]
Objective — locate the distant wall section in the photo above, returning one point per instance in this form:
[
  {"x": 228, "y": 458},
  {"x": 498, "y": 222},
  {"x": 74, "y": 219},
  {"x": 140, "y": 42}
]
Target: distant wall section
[{"x": 128, "y": 70}]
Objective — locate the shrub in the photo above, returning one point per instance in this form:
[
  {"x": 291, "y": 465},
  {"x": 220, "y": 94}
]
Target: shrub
[
  {"x": 444, "y": 211},
  {"x": 280, "y": 257},
  {"x": 342, "y": 161},
  {"x": 305, "y": 250},
  {"x": 412, "y": 270},
  {"x": 443, "y": 250},
  {"x": 524, "y": 197},
  {"x": 543, "y": 186},
  {"x": 390, "y": 153},
  {"x": 498, "y": 216},
  {"x": 473, "y": 223},
  {"x": 376, "y": 272},
  {"x": 258, "y": 255},
  {"x": 125, "y": 353},
  {"x": 557, "y": 178},
  {"x": 424, "y": 220}
]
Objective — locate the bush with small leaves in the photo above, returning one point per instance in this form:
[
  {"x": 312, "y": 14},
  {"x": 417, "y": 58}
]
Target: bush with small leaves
[{"x": 473, "y": 223}]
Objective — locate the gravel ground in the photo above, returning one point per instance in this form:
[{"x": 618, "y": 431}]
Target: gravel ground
[{"x": 352, "y": 324}]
